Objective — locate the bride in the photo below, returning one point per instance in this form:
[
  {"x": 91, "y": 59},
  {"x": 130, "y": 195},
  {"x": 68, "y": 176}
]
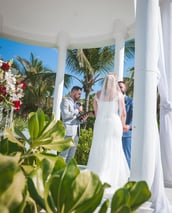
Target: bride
[{"x": 106, "y": 157}]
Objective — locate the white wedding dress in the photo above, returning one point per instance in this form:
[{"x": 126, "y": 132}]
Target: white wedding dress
[{"x": 106, "y": 157}]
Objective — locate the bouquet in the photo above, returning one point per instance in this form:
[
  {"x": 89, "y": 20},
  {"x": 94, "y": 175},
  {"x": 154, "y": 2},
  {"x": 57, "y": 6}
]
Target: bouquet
[{"x": 11, "y": 89}]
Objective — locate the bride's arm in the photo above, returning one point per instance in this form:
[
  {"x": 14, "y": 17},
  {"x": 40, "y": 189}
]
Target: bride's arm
[
  {"x": 122, "y": 110},
  {"x": 95, "y": 105}
]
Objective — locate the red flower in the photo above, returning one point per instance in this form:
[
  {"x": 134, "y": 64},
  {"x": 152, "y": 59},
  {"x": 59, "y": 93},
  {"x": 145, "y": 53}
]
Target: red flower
[
  {"x": 17, "y": 104},
  {"x": 22, "y": 85},
  {"x": 2, "y": 92},
  {"x": 5, "y": 66}
]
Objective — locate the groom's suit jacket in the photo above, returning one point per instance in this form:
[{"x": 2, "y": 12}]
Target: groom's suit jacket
[
  {"x": 126, "y": 137},
  {"x": 129, "y": 112},
  {"x": 69, "y": 114}
]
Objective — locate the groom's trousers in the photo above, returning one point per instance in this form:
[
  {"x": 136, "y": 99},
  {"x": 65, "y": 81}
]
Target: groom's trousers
[{"x": 126, "y": 143}]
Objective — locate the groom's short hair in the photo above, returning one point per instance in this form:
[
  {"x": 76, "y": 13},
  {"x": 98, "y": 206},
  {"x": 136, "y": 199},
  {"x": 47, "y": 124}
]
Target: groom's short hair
[
  {"x": 121, "y": 82},
  {"x": 76, "y": 88}
]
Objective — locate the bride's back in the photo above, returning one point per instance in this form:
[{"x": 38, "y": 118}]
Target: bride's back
[
  {"x": 109, "y": 97},
  {"x": 108, "y": 107}
]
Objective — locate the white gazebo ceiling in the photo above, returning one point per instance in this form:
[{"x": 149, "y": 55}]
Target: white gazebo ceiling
[{"x": 85, "y": 23}]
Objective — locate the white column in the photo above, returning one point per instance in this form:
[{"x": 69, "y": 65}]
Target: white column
[
  {"x": 165, "y": 89},
  {"x": 119, "y": 57},
  {"x": 144, "y": 136},
  {"x": 146, "y": 157},
  {"x": 135, "y": 2},
  {"x": 166, "y": 14},
  {"x": 119, "y": 33},
  {"x": 62, "y": 43}
]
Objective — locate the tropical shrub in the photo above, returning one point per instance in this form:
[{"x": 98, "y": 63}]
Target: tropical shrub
[
  {"x": 84, "y": 145},
  {"x": 48, "y": 183},
  {"x": 34, "y": 179}
]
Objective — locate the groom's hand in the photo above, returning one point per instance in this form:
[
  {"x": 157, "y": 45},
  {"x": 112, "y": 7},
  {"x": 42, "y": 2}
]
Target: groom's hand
[
  {"x": 126, "y": 128},
  {"x": 85, "y": 116}
]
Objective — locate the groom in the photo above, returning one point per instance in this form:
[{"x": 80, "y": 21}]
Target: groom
[
  {"x": 70, "y": 112},
  {"x": 126, "y": 138}
]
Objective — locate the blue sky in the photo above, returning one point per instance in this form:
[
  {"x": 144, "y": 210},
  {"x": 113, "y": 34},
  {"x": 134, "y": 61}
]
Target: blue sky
[{"x": 10, "y": 49}]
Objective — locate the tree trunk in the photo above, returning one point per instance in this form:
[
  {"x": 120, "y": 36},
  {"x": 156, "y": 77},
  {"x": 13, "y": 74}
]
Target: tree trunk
[{"x": 86, "y": 108}]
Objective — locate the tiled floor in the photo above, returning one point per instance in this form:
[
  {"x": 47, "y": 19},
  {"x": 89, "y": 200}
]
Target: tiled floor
[{"x": 169, "y": 194}]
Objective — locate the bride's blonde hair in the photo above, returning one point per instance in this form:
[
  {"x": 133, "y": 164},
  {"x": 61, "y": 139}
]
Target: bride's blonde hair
[
  {"x": 110, "y": 87},
  {"x": 112, "y": 73}
]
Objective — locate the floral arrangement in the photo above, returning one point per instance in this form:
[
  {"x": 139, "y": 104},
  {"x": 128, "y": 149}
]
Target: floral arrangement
[
  {"x": 11, "y": 93},
  {"x": 11, "y": 86}
]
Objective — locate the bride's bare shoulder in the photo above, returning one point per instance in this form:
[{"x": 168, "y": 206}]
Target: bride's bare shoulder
[{"x": 98, "y": 94}]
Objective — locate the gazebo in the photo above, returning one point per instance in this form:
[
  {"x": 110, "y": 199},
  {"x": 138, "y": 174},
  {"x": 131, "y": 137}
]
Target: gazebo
[{"x": 95, "y": 23}]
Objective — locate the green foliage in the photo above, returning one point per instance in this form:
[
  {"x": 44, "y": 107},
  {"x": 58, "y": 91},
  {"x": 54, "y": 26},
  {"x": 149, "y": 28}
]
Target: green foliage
[
  {"x": 130, "y": 197},
  {"x": 74, "y": 190},
  {"x": 45, "y": 134},
  {"x": 90, "y": 122},
  {"x": 84, "y": 145},
  {"x": 12, "y": 184},
  {"x": 40, "y": 82},
  {"x": 33, "y": 178},
  {"x": 19, "y": 122}
]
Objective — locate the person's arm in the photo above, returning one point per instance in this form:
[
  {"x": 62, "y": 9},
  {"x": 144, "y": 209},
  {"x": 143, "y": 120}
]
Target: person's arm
[
  {"x": 122, "y": 110},
  {"x": 123, "y": 114},
  {"x": 128, "y": 125},
  {"x": 130, "y": 113},
  {"x": 95, "y": 105}
]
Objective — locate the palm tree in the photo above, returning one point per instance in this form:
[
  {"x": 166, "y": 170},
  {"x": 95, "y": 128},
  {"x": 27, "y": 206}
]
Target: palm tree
[
  {"x": 129, "y": 81},
  {"x": 89, "y": 66},
  {"x": 129, "y": 53},
  {"x": 40, "y": 82},
  {"x": 129, "y": 49}
]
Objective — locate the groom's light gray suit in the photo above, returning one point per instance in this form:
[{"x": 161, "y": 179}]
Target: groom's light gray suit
[{"x": 69, "y": 114}]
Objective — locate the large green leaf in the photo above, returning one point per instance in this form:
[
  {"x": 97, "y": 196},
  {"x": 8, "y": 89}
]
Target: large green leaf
[
  {"x": 34, "y": 193},
  {"x": 9, "y": 134},
  {"x": 54, "y": 129},
  {"x": 120, "y": 199},
  {"x": 55, "y": 162},
  {"x": 130, "y": 197},
  {"x": 76, "y": 191},
  {"x": 104, "y": 207},
  {"x": 36, "y": 123},
  {"x": 20, "y": 134},
  {"x": 41, "y": 119},
  {"x": 4, "y": 209},
  {"x": 139, "y": 194},
  {"x": 44, "y": 133},
  {"x": 12, "y": 183},
  {"x": 33, "y": 125},
  {"x": 7, "y": 147},
  {"x": 52, "y": 137},
  {"x": 59, "y": 145},
  {"x": 38, "y": 177},
  {"x": 8, "y": 169},
  {"x": 122, "y": 209}
]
